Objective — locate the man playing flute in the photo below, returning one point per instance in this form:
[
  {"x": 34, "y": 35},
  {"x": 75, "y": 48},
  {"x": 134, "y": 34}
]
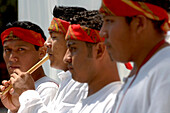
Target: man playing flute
[
  {"x": 70, "y": 91},
  {"x": 23, "y": 46}
]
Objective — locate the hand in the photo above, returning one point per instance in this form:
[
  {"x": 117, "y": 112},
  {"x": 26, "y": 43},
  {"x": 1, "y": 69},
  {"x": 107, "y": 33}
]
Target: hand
[
  {"x": 10, "y": 101},
  {"x": 21, "y": 81}
]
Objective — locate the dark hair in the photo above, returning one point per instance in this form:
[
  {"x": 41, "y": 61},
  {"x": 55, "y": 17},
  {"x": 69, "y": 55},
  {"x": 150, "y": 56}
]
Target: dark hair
[
  {"x": 91, "y": 19},
  {"x": 165, "y": 4},
  {"x": 157, "y": 24},
  {"x": 79, "y": 15},
  {"x": 66, "y": 13},
  {"x": 27, "y": 25},
  {"x": 89, "y": 48}
]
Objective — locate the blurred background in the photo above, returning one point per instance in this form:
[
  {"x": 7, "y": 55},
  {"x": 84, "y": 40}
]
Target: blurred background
[{"x": 40, "y": 12}]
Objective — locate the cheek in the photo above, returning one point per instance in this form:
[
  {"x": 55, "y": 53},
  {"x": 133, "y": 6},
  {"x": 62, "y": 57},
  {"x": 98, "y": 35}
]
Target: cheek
[
  {"x": 55, "y": 45},
  {"x": 6, "y": 57}
]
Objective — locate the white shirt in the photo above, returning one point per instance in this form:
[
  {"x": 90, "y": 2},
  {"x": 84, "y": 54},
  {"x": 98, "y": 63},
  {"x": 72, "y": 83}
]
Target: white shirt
[
  {"x": 150, "y": 91},
  {"x": 43, "y": 86},
  {"x": 69, "y": 93},
  {"x": 100, "y": 102}
]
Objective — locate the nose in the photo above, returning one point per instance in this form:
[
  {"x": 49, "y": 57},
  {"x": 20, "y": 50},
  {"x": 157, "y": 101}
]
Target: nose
[
  {"x": 67, "y": 57},
  {"x": 103, "y": 32},
  {"x": 48, "y": 43},
  {"x": 13, "y": 57}
]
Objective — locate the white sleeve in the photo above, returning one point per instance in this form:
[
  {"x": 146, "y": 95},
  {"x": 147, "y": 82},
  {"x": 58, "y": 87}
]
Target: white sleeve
[
  {"x": 31, "y": 102},
  {"x": 40, "y": 101}
]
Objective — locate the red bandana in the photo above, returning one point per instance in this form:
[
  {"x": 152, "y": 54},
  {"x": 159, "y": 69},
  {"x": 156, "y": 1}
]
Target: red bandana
[
  {"x": 59, "y": 25},
  {"x": 82, "y": 33},
  {"x": 132, "y": 8},
  {"x": 23, "y": 34}
]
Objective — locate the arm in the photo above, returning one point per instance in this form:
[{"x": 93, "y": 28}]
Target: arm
[{"x": 32, "y": 100}]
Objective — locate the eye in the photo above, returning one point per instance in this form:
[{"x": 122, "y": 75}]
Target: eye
[
  {"x": 72, "y": 49},
  {"x": 108, "y": 20},
  {"x": 21, "y": 49},
  {"x": 54, "y": 37},
  {"x": 7, "y": 50}
]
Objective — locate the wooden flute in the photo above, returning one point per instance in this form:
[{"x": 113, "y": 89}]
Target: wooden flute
[{"x": 30, "y": 71}]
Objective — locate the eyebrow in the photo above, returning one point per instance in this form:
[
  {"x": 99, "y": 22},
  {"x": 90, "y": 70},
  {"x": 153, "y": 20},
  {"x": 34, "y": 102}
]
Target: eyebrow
[
  {"x": 15, "y": 46},
  {"x": 70, "y": 44}
]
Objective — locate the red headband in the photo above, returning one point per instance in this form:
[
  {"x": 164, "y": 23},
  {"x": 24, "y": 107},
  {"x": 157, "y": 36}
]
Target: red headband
[
  {"x": 59, "y": 25},
  {"x": 82, "y": 33},
  {"x": 132, "y": 8},
  {"x": 24, "y": 34}
]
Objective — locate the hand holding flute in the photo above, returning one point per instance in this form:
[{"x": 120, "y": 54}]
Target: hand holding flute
[
  {"x": 18, "y": 78},
  {"x": 30, "y": 71}
]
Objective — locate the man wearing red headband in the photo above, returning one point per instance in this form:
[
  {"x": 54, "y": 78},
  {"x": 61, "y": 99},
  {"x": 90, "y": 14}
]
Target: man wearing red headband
[
  {"x": 70, "y": 91},
  {"x": 89, "y": 62},
  {"x": 23, "y": 44},
  {"x": 135, "y": 31}
]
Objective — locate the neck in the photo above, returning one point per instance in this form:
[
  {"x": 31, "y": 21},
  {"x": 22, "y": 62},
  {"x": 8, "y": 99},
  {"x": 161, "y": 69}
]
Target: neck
[
  {"x": 104, "y": 77},
  {"x": 39, "y": 73},
  {"x": 146, "y": 54},
  {"x": 61, "y": 67}
]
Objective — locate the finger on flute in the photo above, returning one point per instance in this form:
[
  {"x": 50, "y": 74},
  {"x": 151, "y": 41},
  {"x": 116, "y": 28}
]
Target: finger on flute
[{"x": 30, "y": 71}]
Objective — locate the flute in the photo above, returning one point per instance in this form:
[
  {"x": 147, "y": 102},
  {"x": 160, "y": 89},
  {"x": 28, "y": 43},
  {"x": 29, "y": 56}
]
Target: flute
[{"x": 30, "y": 71}]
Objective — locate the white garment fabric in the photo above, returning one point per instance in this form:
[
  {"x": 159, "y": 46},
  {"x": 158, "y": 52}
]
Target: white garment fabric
[
  {"x": 100, "y": 102},
  {"x": 150, "y": 91},
  {"x": 69, "y": 93},
  {"x": 45, "y": 87}
]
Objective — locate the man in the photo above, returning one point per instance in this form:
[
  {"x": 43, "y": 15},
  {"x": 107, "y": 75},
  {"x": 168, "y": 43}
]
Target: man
[
  {"x": 56, "y": 43},
  {"x": 23, "y": 47},
  {"x": 135, "y": 31},
  {"x": 68, "y": 88},
  {"x": 89, "y": 62}
]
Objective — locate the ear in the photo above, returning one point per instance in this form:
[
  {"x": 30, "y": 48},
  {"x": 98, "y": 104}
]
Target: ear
[
  {"x": 100, "y": 50},
  {"x": 42, "y": 51},
  {"x": 139, "y": 23}
]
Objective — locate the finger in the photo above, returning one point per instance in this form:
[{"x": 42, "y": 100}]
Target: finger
[
  {"x": 25, "y": 75},
  {"x": 17, "y": 71},
  {"x": 12, "y": 79},
  {"x": 13, "y": 75},
  {"x": 2, "y": 88},
  {"x": 11, "y": 91},
  {"x": 5, "y": 83}
]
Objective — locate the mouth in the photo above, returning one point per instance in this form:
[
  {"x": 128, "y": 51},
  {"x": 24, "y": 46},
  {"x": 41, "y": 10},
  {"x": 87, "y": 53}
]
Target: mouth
[{"x": 12, "y": 68}]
